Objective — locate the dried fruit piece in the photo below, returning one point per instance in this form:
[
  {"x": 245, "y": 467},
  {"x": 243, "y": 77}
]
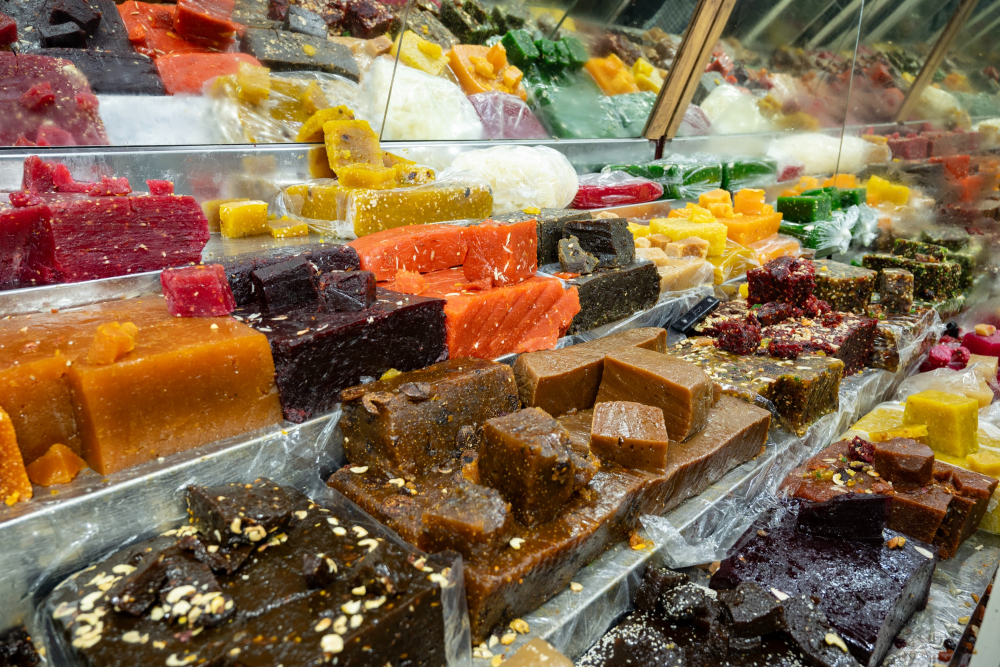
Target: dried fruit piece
[
  {"x": 739, "y": 336},
  {"x": 112, "y": 342}
]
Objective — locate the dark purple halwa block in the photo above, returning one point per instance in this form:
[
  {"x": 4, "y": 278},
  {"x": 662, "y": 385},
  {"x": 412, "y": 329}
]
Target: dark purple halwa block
[
  {"x": 318, "y": 354},
  {"x": 866, "y": 590},
  {"x": 655, "y": 582},
  {"x": 16, "y": 647},
  {"x": 347, "y": 291},
  {"x": 787, "y": 279},
  {"x": 324, "y": 257},
  {"x": 809, "y": 629},
  {"x": 852, "y": 516},
  {"x": 239, "y": 513},
  {"x": 751, "y": 610},
  {"x": 285, "y": 284}
]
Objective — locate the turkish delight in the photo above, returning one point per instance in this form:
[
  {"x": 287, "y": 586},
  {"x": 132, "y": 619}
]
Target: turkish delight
[
  {"x": 608, "y": 239},
  {"x": 683, "y": 391},
  {"x": 921, "y": 251},
  {"x": 59, "y": 465},
  {"x": 567, "y": 380},
  {"x": 677, "y": 229},
  {"x": 632, "y": 435},
  {"x": 241, "y": 599},
  {"x": 482, "y": 69},
  {"x": 206, "y": 22},
  {"x": 614, "y": 189},
  {"x": 8, "y": 30},
  {"x": 187, "y": 73},
  {"x": 846, "y": 288},
  {"x": 895, "y": 291},
  {"x": 422, "y": 248},
  {"x": 369, "y": 211},
  {"x": 804, "y": 209},
  {"x": 198, "y": 291},
  {"x": 324, "y": 256},
  {"x": 317, "y": 354},
  {"x": 418, "y": 419}
]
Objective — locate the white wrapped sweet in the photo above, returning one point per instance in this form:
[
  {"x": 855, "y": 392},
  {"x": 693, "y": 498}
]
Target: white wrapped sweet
[
  {"x": 522, "y": 176},
  {"x": 421, "y": 106},
  {"x": 820, "y": 153}
]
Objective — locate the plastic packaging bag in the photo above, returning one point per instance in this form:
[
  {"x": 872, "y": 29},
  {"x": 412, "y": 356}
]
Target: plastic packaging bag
[
  {"x": 522, "y": 176},
  {"x": 348, "y": 213},
  {"x": 968, "y": 382},
  {"x": 734, "y": 112},
  {"x": 734, "y": 262},
  {"x": 278, "y": 118},
  {"x": 616, "y": 188},
  {"x": 832, "y": 233},
  {"x": 682, "y": 176},
  {"x": 777, "y": 245},
  {"x": 421, "y": 106},
  {"x": 506, "y": 116},
  {"x": 821, "y": 154},
  {"x": 866, "y": 228}
]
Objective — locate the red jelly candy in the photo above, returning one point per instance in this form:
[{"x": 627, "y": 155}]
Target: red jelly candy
[
  {"x": 24, "y": 198},
  {"x": 205, "y": 21},
  {"x": 938, "y": 357},
  {"x": 50, "y": 135},
  {"x": 38, "y": 96},
  {"x": 861, "y": 450},
  {"x": 110, "y": 187},
  {"x": 616, "y": 188},
  {"x": 8, "y": 30},
  {"x": 157, "y": 187},
  {"x": 198, "y": 291},
  {"x": 738, "y": 336},
  {"x": 988, "y": 346},
  {"x": 38, "y": 176}
]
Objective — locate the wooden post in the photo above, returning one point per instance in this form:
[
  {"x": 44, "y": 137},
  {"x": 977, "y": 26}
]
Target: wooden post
[
  {"x": 936, "y": 56},
  {"x": 703, "y": 32}
]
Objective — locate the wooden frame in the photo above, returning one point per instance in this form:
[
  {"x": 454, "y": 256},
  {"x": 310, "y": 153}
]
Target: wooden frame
[
  {"x": 936, "y": 56},
  {"x": 703, "y": 32}
]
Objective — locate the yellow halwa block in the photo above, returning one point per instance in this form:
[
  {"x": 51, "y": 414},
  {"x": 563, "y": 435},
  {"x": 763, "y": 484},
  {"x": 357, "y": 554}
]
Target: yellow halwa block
[
  {"x": 638, "y": 231},
  {"x": 952, "y": 421},
  {"x": 410, "y": 173},
  {"x": 319, "y": 165},
  {"x": 371, "y": 176},
  {"x": 734, "y": 261},
  {"x": 211, "y": 209},
  {"x": 311, "y": 131},
  {"x": 14, "y": 483},
  {"x": 918, "y": 432},
  {"x": 246, "y": 218},
  {"x": 646, "y": 76},
  {"x": 420, "y": 53},
  {"x": 316, "y": 201},
  {"x": 881, "y": 191},
  {"x": 254, "y": 83},
  {"x": 718, "y": 196},
  {"x": 313, "y": 99},
  {"x": 371, "y": 211},
  {"x": 351, "y": 142},
  {"x": 986, "y": 461},
  {"x": 681, "y": 228},
  {"x": 286, "y": 228}
]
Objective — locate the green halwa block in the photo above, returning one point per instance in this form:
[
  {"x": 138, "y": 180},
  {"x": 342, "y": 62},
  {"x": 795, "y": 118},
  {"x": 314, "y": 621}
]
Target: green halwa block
[
  {"x": 829, "y": 192},
  {"x": 742, "y": 173},
  {"x": 802, "y": 390},
  {"x": 476, "y": 11},
  {"x": 562, "y": 53},
  {"x": 548, "y": 55},
  {"x": 920, "y": 251},
  {"x": 846, "y": 288},
  {"x": 578, "y": 55},
  {"x": 509, "y": 18},
  {"x": 852, "y": 197},
  {"x": 521, "y": 49},
  {"x": 459, "y": 22},
  {"x": 932, "y": 281},
  {"x": 804, "y": 209}
]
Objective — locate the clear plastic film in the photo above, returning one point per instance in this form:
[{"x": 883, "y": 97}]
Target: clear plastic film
[
  {"x": 292, "y": 98},
  {"x": 522, "y": 176},
  {"x": 834, "y": 233},
  {"x": 347, "y": 213},
  {"x": 50, "y": 538},
  {"x": 506, "y": 116},
  {"x": 616, "y": 188},
  {"x": 968, "y": 382},
  {"x": 778, "y": 245},
  {"x": 734, "y": 262}
]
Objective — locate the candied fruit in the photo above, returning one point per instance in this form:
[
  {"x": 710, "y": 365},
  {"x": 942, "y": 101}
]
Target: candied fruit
[
  {"x": 112, "y": 341},
  {"x": 59, "y": 465},
  {"x": 198, "y": 291},
  {"x": 861, "y": 450},
  {"x": 739, "y": 336}
]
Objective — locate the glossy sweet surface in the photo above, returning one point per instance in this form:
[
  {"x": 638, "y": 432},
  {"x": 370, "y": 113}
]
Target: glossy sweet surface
[
  {"x": 198, "y": 291},
  {"x": 630, "y": 434}
]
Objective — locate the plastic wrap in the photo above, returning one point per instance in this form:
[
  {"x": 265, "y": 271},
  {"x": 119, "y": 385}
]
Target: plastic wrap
[
  {"x": 834, "y": 233},
  {"x": 779, "y": 245},
  {"x": 349, "y": 213},
  {"x": 823, "y": 154},
  {"x": 967, "y": 382},
  {"x": 616, "y": 188},
  {"x": 506, "y": 116},
  {"x": 421, "y": 106},
  {"x": 865, "y": 229},
  {"x": 522, "y": 176},
  {"x": 734, "y": 262},
  {"x": 278, "y": 118},
  {"x": 732, "y": 111}
]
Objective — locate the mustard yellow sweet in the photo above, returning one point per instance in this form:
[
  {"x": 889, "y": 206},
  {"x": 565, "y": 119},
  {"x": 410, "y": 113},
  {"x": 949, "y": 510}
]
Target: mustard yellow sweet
[
  {"x": 952, "y": 421},
  {"x": 246, "y": 218}
]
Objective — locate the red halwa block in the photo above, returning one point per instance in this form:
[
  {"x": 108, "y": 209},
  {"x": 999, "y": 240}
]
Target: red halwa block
[
  {"x": 25, "y": 248},
  {"x": 46, "y": 101},
  {"x": 110, "y": 187},
  {"x": 8, "y": 30},
  {"x": 23, "y": 198},
  {"x": 157, "y": 187},
  {"x": 206, "y": 22},
  {"x": 408, "y": 282},
  {"x": 911, "y": 147},
  {"x": 489, "y": 323},
  {"x": 198, "y": 291},
  {"x": 421, "y": 248},
  {"x": 188, "y": 72},
  {"x": 151, "y": 29},
  {"x": 957, "y": 165},
  {"x": 503, "y": 254},
  {"x": 63, "y": 181}
]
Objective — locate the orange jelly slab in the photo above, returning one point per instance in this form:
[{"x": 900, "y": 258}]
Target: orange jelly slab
[
  {"x": 59, "y": 465},
  {"x": 14, "y": 484},
  {"x": 187, "y": 382}
]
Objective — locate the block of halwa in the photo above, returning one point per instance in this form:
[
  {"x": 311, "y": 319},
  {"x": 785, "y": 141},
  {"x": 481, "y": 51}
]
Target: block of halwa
[
  {"x": 14, "y": 484},
  {"x": 561, "y": 381},
  {"x": 632, "y": 435},
  {"x": 845, "y": 287},
  {"x": 142, "y": 405},
  {"x": 683, "y": 391},
  {"x": 681, "y": 228},
  {"x": 417, "y": 419},
  {"x": 369, "y": 211},
  {"x": 952, "y": 421}
]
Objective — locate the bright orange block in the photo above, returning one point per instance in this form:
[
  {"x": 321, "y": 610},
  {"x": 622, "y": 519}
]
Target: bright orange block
[
  {"x": 715, "y": 197},
  {"x": 14, "y": 484},
  {"x": 112, "y": 342},
  {"x": 408, "y": 282},
  {"x": 841, "y": 181},
  {"x": 59, "y": 465},
  {"x": 188, "y": 72},
  {"x": 746, "y": 229},
  {"x": 503, "y": 254},
  {"x": 612, "y": 75},
  {"x": 776, "y": 246},
  {"x": 750, "y": 202},
  {"x": 421, "y": 248},
  {"x": 481, "y": 69},
  {"x": 489, "y": 323}
]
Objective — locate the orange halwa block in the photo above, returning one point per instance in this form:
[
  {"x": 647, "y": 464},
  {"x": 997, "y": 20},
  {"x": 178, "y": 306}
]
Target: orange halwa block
[
  {"x": 720, "y": 210},
  {"x": 719, "y": 196},
  {"x": 489, "y": 323},
  {"x": 185, "y": 383},
  {"x": 311, "y": 131},
  {"x": 59, "y": 465},
  {"x": 501, "y": 254},
  {"x": 482, "y": 69},
  {"x": 746, "y": 229},
  {"x": 805, "y": 183},
  {"x": 750, "y": 202},
  {"x": 841, "y": 181},
  {"x": 112, "y": 342},
  {"x": 408, "y": 282},
  {"x": 612, "y": 75},
  {"x": 14, "y": 484}
]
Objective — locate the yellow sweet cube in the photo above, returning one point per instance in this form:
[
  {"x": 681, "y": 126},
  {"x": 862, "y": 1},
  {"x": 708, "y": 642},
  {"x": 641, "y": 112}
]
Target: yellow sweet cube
[
  {"x": 638, "y": 230},
  {"x": 952, "y": 421},
  {"x": 881, "y": 190},
  {"x": 986, "y": 461},
  {"x": 211, "y": 209},
  {"x": 745, "y": 290},
  {"x": 351, "y": 142},
  {"x": 420, "y": 53},
  {"x": 286, "y": 228},
  {"x": 409, "y": 173},
  {"x": 254, "y": 83},
  {"x": 316, "y": 201},
  {"x": 246, "y": 218},
  {"x": 646, "y": 76},
  {"x": 319, "y": 164},
  {"x": 718, "y": 196},
  {"x": 680, "y": 228},
  {"x": 311, "y": 131},
  {"x": 367, "y": 176},
  {"x": 313, "y": 98},
  {"x": 734, "y": 261}
]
